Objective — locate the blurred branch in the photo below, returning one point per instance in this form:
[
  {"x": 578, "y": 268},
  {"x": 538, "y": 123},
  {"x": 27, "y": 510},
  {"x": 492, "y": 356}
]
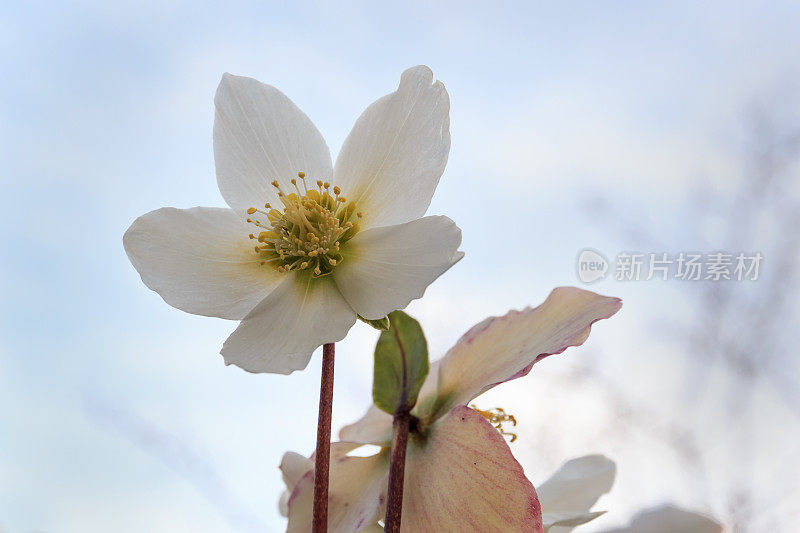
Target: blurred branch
[{"x": 746, "y": 327}]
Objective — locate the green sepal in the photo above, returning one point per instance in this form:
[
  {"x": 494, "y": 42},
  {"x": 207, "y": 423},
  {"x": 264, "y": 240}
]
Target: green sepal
[
  {"x": 401, "y": 364},
  {"x": 382, "y": 324}
]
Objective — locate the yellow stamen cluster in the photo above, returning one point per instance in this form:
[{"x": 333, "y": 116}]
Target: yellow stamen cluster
[
  {"x": 496, "y": 417},
  {"x": 309, "y": 232}
]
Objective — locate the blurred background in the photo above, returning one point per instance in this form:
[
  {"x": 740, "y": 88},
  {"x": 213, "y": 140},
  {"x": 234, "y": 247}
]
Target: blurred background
[{"x": 621, "y": 127}]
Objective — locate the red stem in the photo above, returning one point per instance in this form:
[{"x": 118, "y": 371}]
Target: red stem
[
  {"x": 394, "y": 503},
  {"x": 323, "y": 454}
]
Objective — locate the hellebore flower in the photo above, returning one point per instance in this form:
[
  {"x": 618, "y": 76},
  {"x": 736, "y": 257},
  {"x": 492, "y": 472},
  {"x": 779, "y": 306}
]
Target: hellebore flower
[
  {"x": 306, "y": 246},
  {"x": 460, "y": 474}
]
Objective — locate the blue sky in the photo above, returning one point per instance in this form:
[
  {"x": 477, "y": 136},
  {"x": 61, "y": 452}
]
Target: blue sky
[{"x": 117, "y": 411}]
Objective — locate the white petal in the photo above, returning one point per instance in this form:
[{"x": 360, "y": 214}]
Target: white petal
[
  {"x": 199, "y": 260},
  {"x": 463, "y": 477},
  {"x": 577, "y": 485},
  {"x": 504, "y": 348},
  {"x": 375, "y": 427},
  {"x": 669, "y": 519},
  {"x": 566, "y": 521},
  {"x": 260, "y": 136},
  {"x": 279, "y": 335},
  {"x": 385, "y": 268},
  {"x": 393, "y": 158},
  {"x": 293, "y": 467},
  {"x": 357, "y": 492}
]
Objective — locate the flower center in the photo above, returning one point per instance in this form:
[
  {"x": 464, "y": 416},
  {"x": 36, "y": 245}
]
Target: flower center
[
  {"x": 496, "y": 417},
  {"x": 309, "y": 232}
]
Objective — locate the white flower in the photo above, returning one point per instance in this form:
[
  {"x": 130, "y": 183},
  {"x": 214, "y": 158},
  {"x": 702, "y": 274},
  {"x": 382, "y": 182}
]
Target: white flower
[
  {"x": 306, "y": 246},
  {"x": 460, "y": 474}
]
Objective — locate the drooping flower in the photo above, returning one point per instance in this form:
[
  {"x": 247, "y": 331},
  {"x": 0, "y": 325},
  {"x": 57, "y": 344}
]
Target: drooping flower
[
  {"x": 460, "y": 474},
  {"x": 305, "y": 246},
  {"x": 565, "y": 498}
]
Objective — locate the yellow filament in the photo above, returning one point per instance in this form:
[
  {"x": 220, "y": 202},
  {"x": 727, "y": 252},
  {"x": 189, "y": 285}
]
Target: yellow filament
[
  {"x": 497, "y": 417},
  {"x": 309, "y": 231}
]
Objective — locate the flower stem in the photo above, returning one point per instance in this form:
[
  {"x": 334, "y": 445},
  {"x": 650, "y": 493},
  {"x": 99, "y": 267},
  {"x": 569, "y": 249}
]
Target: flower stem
[
  {"x": 397, "y": 467},
  {"x": 323, "y": 454}
]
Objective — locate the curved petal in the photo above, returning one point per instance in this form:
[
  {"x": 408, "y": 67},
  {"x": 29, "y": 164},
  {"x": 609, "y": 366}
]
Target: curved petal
[
  {"x": 463, "y": 477},
  {"x": 260, "y": 136},
  {"x": 356, "y": 492},
  {"x": 375, "y": 427},
  {"x": 199, "y": 260},
  {"x": 566, "y": 521},
  {"x": 393, "y": 158},
  {"x": 385, "y": 268},
  {"x": 293, "y": 467},
  {"x": 280, "y": 334},
  {"x": 504, "y": 348},
  {"x": 577, "y": 485},
  {"x": 668, "y": 519}
]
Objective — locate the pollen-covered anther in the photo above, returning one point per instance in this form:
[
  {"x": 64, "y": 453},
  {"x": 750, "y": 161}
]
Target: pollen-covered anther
[
  {"x": 497, "y": 417},
  {"x": 309, "y": 231}
]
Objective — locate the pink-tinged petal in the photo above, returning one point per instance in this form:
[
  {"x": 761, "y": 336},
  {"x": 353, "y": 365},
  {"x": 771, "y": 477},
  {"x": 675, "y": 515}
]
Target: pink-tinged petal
[
  {"x": 393, "y": 158},
  {"x": 375, "y": 427},
  {"x": 577, "y": 485},
  {"x": 260, "y": 136},
  {"x": 463, "y": 477},
  {"x": 503, "y": 348},
  {"x": 356, "y": 492},
  {"x": 669, "y": 519},
  {"x": 293, "y": 467}
]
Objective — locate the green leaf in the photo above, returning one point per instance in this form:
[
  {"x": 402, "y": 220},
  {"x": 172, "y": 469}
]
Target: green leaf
[
  {"x": 401, "y": 364},
  {"x": 381, "y": 324}
]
